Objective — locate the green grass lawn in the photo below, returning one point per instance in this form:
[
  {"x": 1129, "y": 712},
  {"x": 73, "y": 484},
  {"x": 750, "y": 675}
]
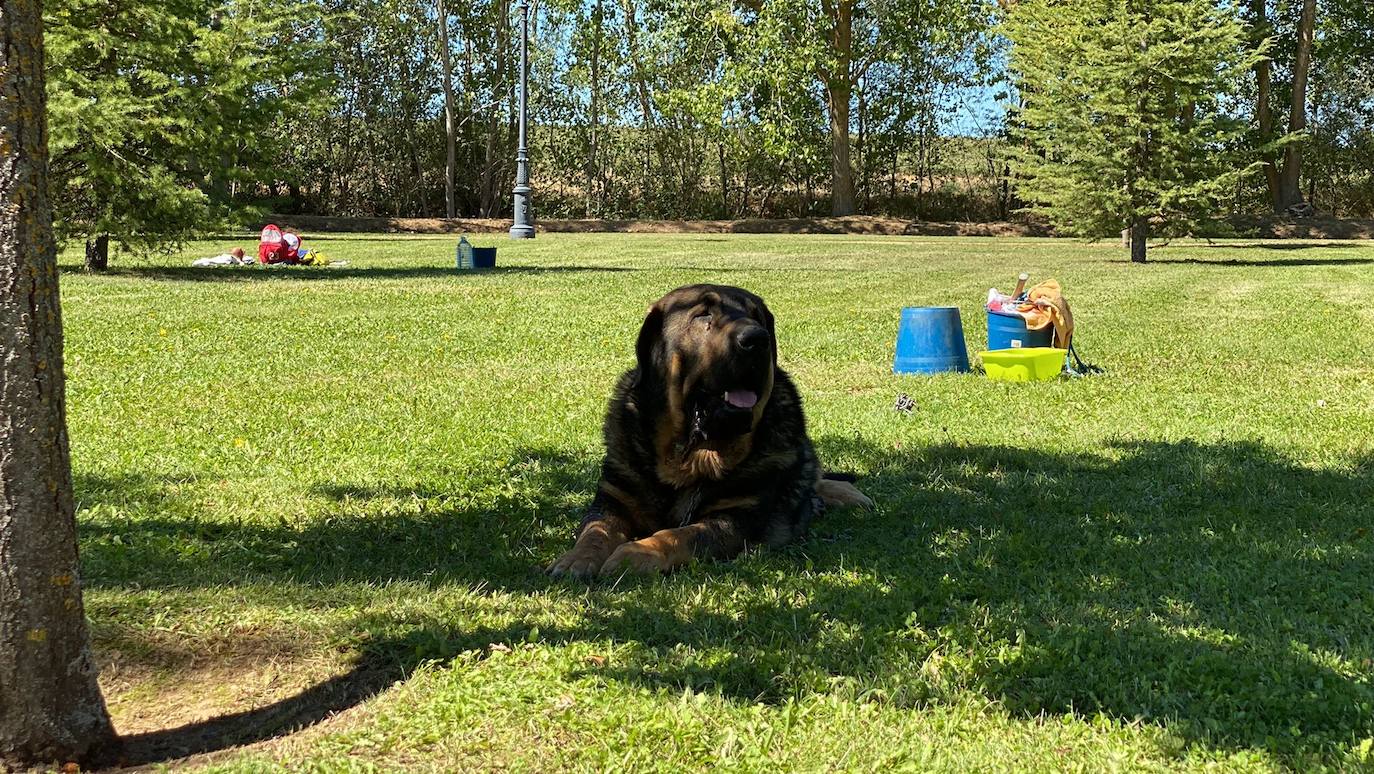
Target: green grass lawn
[{"x": 322, "y": 498}]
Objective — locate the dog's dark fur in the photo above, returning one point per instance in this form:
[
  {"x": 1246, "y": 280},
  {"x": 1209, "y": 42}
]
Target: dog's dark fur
[{"x": 689, "y": 471}]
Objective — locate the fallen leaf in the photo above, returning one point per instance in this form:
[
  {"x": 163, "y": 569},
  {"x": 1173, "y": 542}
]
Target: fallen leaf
[{"x": 599, "y": 661}]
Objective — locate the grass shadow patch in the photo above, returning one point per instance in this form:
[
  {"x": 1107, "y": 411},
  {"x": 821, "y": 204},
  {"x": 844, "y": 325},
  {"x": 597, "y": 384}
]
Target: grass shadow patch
[
  {"x": 324, "y": 273},
  {"x": 382, "y": 664},
  {"x": 147, "y": 532},
  {"x": 1220, "y": 590},
  {"x": 1261, "y": 262}
]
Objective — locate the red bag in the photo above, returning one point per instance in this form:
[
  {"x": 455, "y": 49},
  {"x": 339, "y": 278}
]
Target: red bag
[
  {"x": 270, "y": 244},
  {"x": 277, "y": 246}
]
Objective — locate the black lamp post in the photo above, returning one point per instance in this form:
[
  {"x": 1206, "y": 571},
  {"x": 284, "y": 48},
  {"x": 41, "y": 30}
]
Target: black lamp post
[{"x": 522, "y": 228}]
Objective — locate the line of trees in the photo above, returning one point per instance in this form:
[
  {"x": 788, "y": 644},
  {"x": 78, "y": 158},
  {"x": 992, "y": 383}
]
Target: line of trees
[{"x": 170, "y": 116}]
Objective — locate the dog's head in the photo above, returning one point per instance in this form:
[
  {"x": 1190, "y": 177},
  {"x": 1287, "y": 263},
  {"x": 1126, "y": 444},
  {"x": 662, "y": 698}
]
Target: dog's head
[{"x": 711, "y": 349}]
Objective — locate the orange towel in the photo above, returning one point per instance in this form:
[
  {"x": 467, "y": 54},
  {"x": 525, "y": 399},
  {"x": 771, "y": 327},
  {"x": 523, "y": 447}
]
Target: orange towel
[{"x": 1045, "y": 305}]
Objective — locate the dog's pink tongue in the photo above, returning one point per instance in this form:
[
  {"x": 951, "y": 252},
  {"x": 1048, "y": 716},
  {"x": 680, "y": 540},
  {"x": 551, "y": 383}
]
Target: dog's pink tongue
[{"x": 741, "y": 398}]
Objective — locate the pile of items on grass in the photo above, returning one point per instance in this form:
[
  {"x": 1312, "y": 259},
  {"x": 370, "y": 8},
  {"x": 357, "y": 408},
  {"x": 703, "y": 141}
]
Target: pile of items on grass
[{"x": 275, "y": 248}]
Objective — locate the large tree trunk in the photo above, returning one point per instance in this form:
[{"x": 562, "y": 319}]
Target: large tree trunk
[
  {"x": 1140, "y": 232},
  {"x": 345, "y": 204},
  {"x": 98, "y": 253},
  {"x": 646, "y": 106},
  {"x": 450, "y": 131},
  {"x": 841, "y": 170},
  {"x": 1264, "y": 114},
  {"x": 51, "y": 710},
  {"x": 1290, "y": 178},
  {"x": 839, "y": 88}
]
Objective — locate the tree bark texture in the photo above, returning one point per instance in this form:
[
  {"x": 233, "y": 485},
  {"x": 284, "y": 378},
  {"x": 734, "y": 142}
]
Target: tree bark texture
[
  {"x": 51, "y": 710},
  {"x": 1290, "y": 178},
  {"x": 1140, "y": 233},
  {"x": 839, "y": 88},
  {"x": 98, "y": 253}
]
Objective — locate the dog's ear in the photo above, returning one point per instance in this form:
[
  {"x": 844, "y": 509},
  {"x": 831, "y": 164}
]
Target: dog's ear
[
  {"x": 649, "y": 334},
  {"x": 767, "y": 320},
  {"x": 767, "y": 317}
]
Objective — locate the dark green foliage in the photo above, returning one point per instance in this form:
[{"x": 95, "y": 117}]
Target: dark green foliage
[
  {"x": 1125, "y": 112},
  {"x": 160, "y": 111},
  {"x": 169, "y": 116}
]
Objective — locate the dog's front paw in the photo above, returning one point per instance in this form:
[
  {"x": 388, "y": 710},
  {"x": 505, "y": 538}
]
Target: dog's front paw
[
  {"x": 583, "y": 561},
  {"x": 640, "y": 556},
  {"x": 842, "y": 494}
]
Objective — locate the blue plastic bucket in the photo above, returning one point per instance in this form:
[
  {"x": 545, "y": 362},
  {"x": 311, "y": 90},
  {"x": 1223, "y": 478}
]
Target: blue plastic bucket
[
  {"x": 483, "y": 257},
  {"x": 930, "y": 339},
  {"x": 1008, "y": 331}
]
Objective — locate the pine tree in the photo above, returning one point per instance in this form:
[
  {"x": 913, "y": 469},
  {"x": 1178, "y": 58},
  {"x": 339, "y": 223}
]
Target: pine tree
[
  {"x": 158, "y": 107},
  {"x": 1124, "y": 120}
]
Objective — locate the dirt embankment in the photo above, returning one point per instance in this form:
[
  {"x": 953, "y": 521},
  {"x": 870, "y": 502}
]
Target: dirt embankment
[{"x": 1306, "y": 228}]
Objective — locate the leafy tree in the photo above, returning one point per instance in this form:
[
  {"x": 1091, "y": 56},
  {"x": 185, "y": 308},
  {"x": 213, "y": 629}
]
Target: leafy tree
[
  {"x": 833, "y": 46},
  {"x": 1124, "y": 121},
  {"x": 50, "y": 703},
  {"x": 1316, "y": 90},
  {"x": 1283, "y": 177},
  {"x": 1339, "y": 164},
  {"x": 159, "y": 110}
]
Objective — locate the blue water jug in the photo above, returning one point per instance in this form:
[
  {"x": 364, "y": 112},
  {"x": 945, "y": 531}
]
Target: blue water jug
[{"x": 930, "y": 339}]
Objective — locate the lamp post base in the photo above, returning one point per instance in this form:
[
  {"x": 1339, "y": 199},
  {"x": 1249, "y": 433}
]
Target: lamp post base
[{"x": 522, "y": 232}]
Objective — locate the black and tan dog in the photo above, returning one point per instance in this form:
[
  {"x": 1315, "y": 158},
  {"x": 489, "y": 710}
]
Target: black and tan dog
[{"x": 706, "y": 445}]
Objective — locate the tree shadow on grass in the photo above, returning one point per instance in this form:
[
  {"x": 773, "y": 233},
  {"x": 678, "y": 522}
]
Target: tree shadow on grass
[
  {"x": 1274, "y": 247},
  {"x": 1286, "y": 246},
  {"x": 1260, "y": 262},
  {"x": 382, "y": 665},
  {"x": 279, "y": 718},
  {"x": 323, "y": 273},
  {"x": 150, "y": 533},
  {"x": 1219, "y": 590},
  {"x": 146, "y": 533}
]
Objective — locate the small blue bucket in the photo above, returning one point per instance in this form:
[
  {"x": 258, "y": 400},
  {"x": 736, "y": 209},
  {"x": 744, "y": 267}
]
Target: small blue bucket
[
  {"x": 483, "y": 257},
  {"x": 1009, "y": 331},
  {"x": 930, "y": 339}
]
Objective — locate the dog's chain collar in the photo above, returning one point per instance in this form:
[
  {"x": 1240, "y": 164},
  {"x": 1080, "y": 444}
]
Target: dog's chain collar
[
  {"x": 698, "y": 432},
  {"x": 686, "y": 506}
]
